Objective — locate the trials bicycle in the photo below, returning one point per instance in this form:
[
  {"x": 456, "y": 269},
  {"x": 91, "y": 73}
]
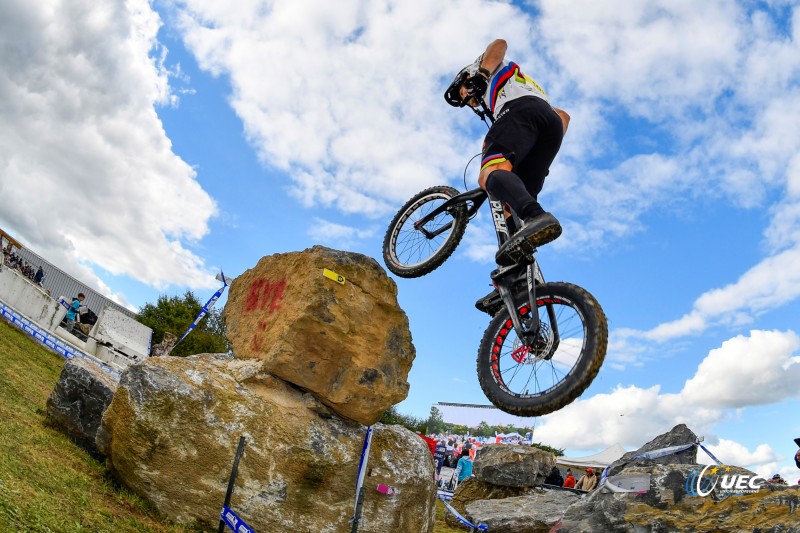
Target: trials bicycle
[{"x": 546, "y": 340}]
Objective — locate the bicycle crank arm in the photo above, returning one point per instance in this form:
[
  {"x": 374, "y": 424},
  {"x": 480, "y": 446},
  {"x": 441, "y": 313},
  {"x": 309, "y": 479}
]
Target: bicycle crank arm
[{"x": 419, "y": 226}]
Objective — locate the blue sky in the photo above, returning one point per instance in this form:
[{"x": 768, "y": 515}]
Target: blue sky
[{"x": 146, "y": 146}]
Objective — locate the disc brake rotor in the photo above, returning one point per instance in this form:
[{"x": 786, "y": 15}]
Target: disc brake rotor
[{"x": 540, "y": 349}]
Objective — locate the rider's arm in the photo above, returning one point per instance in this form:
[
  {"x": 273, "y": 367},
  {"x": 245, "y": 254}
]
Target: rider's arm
[
  {"x": 564, "y": 118},
  {"x": 494, "y": 55}
]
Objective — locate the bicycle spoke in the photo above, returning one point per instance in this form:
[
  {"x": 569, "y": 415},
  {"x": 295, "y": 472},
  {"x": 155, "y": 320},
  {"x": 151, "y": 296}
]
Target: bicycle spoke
[
  {"x": 412, "y": 245},
  {"x": 527, "y": 371}
]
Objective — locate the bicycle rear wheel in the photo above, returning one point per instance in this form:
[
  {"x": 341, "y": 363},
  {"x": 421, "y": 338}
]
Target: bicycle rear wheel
[
  {"x": 411, "y": 251},
  {"x": 551, "y": 373}
]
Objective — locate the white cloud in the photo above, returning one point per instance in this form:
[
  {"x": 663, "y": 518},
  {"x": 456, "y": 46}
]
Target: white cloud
[
  {"x": 708, "y": 97},
  {"x": 733, "y": 453},
  {"x": 771, "y": 283},
  {"x": 743, "y": 371},
  {"x": 624, "y": 416},
  {"x": 347, "y": 96},
  {"x": 754, "y": 370},
  {"x": 353, "y": 113},
  {"x": 87, "y": 174},
  {"x": 479, "y": 242},
  {"x": 339, "y": 235}
]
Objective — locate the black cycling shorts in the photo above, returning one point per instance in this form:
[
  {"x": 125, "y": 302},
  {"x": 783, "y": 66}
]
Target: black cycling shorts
[{"x": 527, "y": 133}]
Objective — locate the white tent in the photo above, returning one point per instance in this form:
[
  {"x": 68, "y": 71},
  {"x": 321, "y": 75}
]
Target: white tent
[{"x": 599, "y": 460}]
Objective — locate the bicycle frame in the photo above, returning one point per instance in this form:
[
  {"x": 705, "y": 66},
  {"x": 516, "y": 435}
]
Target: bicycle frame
[
  {"x": 476, "y": 196},
  {"x": 503, "y": 277}
]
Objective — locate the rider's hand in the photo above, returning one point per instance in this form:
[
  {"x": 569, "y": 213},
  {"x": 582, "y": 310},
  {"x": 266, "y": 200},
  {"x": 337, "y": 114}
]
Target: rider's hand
[{"x": 476, "y": 85}]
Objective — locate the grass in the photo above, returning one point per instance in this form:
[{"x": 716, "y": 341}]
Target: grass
[
  {"x": 47, "y": 484},
  {"x": 441, "y": 526}
]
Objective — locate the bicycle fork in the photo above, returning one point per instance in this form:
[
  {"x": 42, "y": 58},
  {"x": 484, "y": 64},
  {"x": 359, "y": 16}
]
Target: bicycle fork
[{"x": 504, "y": 279}]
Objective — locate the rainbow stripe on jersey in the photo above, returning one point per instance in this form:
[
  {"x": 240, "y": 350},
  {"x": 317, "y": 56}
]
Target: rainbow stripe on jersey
[{"x": 509, "y": 83}]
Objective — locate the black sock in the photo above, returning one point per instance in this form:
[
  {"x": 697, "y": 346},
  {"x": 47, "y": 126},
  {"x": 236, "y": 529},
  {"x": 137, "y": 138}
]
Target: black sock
[
  {"x": 506, "y": 187},
  {"x": 511, "y": 224}
]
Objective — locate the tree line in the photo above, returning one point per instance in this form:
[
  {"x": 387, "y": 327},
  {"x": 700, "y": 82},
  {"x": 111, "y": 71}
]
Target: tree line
[{"x": 174, "y": 314}]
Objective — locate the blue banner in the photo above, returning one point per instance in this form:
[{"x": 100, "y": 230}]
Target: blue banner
[
  {"x": 655, "y": 454},
  {"x": 48, "y": 339},
  {"x": 204, "y": 311},
  {"x": 233, "y": 521},
  {"x": 362, "y": 469},
  {"x": 457, "y": 516},
  {"x": 709, "y": 454}
]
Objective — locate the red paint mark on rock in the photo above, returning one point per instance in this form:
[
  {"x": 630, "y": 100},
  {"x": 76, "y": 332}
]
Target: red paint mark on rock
[
  {"x": 265, "y": 294},
  {"x": 257, "y": 342}
]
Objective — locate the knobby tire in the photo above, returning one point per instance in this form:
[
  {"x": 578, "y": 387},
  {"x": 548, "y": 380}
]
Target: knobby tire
[
  {"x": 407, "y": 252},
  {"x": 523, "y": 381}
]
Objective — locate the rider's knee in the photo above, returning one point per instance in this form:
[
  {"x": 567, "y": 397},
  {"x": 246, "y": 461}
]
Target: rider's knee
[
  {"x": 483, "y": 177},
  {"x": 496, "y": 174}
]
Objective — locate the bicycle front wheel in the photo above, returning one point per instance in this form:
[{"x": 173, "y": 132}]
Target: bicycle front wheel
[
  {"x": 411, "y": 250},
  {"x": 552, "y": 371}
]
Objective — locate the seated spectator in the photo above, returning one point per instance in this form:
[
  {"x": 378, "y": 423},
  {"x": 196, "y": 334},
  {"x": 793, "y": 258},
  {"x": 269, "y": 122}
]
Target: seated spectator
[
  {"x": 554, "y": 477},
  {"x": 588, "y": 481},
  {"x": 569, "y": 482}
]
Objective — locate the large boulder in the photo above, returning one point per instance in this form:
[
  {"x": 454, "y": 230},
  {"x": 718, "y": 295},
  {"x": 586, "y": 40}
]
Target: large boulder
[
  {"x": 171, "y": 432},
  {"x": 472, "y": 489},
  {"x": 81, "y": 395},
  {"x": 667, "y": 507},
  {"x": 677, "y": 436},
  {"x": 347, "y": 343},
  {"x": 535, "y": 512},
  {"x": 511, "y": 465}
]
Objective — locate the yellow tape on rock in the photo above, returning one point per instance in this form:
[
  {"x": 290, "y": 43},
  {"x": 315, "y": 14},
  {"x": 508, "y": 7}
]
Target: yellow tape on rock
[{"x": 330, "y": 274}]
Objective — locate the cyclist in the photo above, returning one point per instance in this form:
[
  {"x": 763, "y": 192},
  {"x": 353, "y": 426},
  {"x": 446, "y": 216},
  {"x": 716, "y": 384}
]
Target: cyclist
[{"x": 518, "y": 149}]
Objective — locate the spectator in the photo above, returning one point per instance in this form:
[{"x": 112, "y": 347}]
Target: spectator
[
  {"x": 777, "y": 479},
  {"x": 464, "y": 466},
  {"x": 39, "y": 276},
  {"x": 439, "y": 454},
  {"x": 554, "y": 478},
  {"x": 797, "y": 455},
  {"x": 588, "y": 481},
  {"x": 72, "y": 314},
  {"x": 569, "y": 483}
]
